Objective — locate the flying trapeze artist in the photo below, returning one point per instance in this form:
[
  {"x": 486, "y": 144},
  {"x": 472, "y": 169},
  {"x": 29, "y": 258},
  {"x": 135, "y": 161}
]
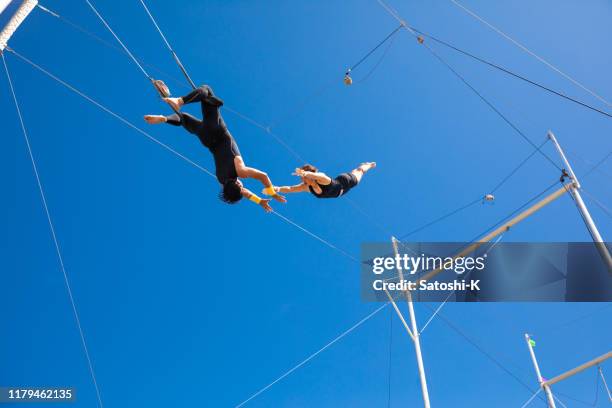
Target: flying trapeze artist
[
  {"x": 213, "y": 134},
  {"x": 323, "y": 186}
]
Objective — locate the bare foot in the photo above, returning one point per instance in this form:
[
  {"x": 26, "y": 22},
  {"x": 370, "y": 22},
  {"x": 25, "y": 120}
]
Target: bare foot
[
  {"x": 154, "y": 119},
  {"x": 175, "y": 103},
  {"x": 367, "y": 166}
]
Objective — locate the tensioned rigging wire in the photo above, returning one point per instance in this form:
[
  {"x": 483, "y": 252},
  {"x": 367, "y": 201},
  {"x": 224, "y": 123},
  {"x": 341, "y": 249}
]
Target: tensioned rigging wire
[
  {"x": 477, "y": 200},
  {"x": 592, "y": 166},
  {"x": 443, "y": 217},
  {"x": 506, "y": 218},
  {"x": 492, "y": 106},
  {"x": 605, "y": 383},
  {"x": 377, "y": 64},
  {"x": 176, "y": 58},
  {"x": 601, "y": 205},
  {"x": 395, "y": 15},
  {"x": 165, "y": 146},
  {"x": 507, "y": 71},
  {"x": 301, "y": 104},
  {"x": 391, "y": 34},
  {"x": 521, "y": 164},
  {"x": 313, "y": 355},
  {"x": 511, "y": 124},
  {"x": 535, "y": 394},
  {"x": 598, "y": 164},
  {"x": 54, "y": 236},
  {"x": 102, "y": 41},
  {"x": 559, "y": 401},
  {"x": 127, "y": 51},
  {"x": 527, "y": 50},
  {"x": 460, "y": 332},
  {"x": 173, "y": 79},
  {"x": 325, "y": 87},
  {"x": 585, "y": 403}
]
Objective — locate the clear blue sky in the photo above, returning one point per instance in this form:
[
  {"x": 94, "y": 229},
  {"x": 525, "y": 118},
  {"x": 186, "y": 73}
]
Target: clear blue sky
[{"x": 185, "y": 301}]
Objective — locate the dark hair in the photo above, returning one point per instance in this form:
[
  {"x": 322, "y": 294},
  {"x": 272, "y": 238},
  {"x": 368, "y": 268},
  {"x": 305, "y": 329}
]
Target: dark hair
[
  {"x": 309, "y": 167},
  {"x": 231, "y": 192}
]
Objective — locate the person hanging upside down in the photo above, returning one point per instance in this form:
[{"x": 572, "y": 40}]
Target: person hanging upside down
[
  {"x": 213, "y": 134},
  {"x": 323, "y": 186}
]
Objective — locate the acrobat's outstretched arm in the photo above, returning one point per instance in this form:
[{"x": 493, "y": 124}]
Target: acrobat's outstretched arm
[
  {"x": 250, "y": 172},
  {"x": 319, "y": 177},
  {"x": 298, "y": 188},
  {"x": 262, "y": 202}
]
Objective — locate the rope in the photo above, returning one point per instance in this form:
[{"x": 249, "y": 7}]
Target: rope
[
  {"x": 507, "y": 71},
  {"x": 127, "y": 51},
  {"x": 365, "y": 57},
  {"x": 527, "y": 50},
  {"x": 53, "y": 235},
  {"x": 313, "y": 355},
  {"x": 176, "y": 58},
  {"x": 165, "y": 146}
]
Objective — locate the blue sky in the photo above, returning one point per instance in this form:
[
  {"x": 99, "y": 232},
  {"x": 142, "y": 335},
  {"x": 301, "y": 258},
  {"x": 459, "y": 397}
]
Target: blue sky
[{"x": 185, "y": 301}]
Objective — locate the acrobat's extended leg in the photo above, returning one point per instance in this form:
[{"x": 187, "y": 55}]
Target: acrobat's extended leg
[
  {"x": 190, "y": 123},
  {"x": 363, "y": 169},
  {"x": 203, "y": 94}
]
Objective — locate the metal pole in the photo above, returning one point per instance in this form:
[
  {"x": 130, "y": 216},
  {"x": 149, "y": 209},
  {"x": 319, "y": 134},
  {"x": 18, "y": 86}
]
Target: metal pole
[
  {"x": 588, "y": 220},
  {"x": 415, "y": 334},
  {"x": 549, "y": 395},
  {"x": 527, "y": 213},
  {"x": 580, "y": 368}
]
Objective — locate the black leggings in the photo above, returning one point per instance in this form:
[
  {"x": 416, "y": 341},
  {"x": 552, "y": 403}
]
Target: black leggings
[{"x": 211, "y": 117}]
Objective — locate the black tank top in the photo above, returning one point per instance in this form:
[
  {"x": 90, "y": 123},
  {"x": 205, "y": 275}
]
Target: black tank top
[{"x": 331, "y": 190}]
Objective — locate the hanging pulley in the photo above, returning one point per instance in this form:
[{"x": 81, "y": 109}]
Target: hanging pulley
[{"x": 347, "y": 78}]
